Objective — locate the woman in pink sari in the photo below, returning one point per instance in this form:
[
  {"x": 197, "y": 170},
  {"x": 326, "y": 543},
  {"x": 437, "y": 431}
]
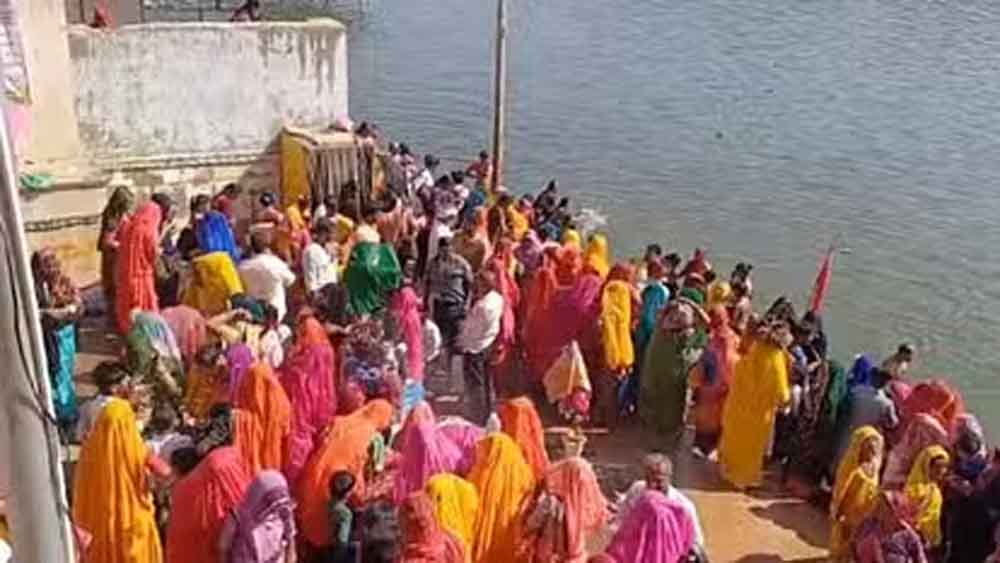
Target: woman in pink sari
[
  {"x": 405, "y": 308},
  {"x": 139, "y": 244},
  {"x": 262, "y": 528},
  {"x": 189, "y": 328},
  {"x": 421, "y": 412},
  {"x": 465, "y": 435},
  {"x": 656, "y": 530},
  {"x": 426, "y": 453},
  {"x": 308, "y": 378},
  {"x": 502, "y": 264},
  {"x": 923, "y": 432}
]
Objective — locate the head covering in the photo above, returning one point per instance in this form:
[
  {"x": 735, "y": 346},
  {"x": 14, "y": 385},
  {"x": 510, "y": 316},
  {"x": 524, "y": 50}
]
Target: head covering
[
  {"x": 150, "y": 339},
  {"x": 529, "y": 251},
  {"x": 570, "y": 237},
  {"x": 406, "y": 312},
  {"x": 616, "y": 327},
  {"x": 111, "y": 496},
  {"x": 569, "y": 263},
  {"x": 574, "y": 482},
  {"x": 862, "y": 371},
  {"x": 310, "y": 331},
  {"x": 722, "y": 351},
  {"x": 520, "y": 421},
  {"x": 935, "y": 398},
  {"x": 308, "y": 378},
  {"x": 465, "y": 435},
  {"x": 424, "y": 454},
  {"x": 503, "y": 479},
  {"x": 426, "y": 541},
  {"x": 852, "y": 460},
  {"x": 654, "y": 531},
  {"x": 595, "y": 258},
  {"x": 119, "y": 204},
  {"x": 239, "y": 358},
  {"x": 344, "y": 448},
  {"x": 135, "y": 273},
  {"x": 189, "y": 328},
  {"x": 456, "y": 507},
  {"x": 719, "y": 293},
  {"x": 373, "y": 271},
  {"x": 264, "y": 521},
  {"x": 201, "y": 501},
  {"x": 924, "y": 431},
  {"x": 254, "y": 307},
  {"x": 215, "y": 281},
  {"x": 216, "y": 235},
  {"x": 261, "y": 394},
  {"x": 47, "y": 269},
  {"x": 421, "y": 412},
  {"x": 925, "y": 493},
  {"x": 969, "y": 446}
]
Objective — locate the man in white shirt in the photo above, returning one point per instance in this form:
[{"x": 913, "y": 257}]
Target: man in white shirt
[
  {"x": 479, "y": 331},
  {"x": 659, "y": 472},
  {"x": 318, "y": 267},
  {"x": 265, "y": 276}
]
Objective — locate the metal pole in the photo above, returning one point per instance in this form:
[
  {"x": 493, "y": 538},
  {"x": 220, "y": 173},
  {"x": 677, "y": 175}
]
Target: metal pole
[
  {"x": 499, "y": 97},
  {"x": 38, "y": 510}
]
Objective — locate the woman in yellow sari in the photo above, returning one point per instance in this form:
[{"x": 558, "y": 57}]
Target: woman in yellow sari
[
  {"x": 456, "y": 505},
  {"x": 855, "y": 490},
  {"x": 616, "y": 327},
  {"x": 504, "y": 480},
  {"x": 595, "y": 258},
  {"x": 571, "y": 237},
  {"x": 215, "y": 281},
  {"x": 517, "y": 221},
  {"x": 924, "y": 491},
  {"x": 111, "y": 496},
  {"x": 760, "y": 387}
]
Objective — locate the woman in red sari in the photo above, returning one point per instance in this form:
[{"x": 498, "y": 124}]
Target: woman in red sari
[
  {"x": 139, "y": 243},
  {"x": 425, "y": 541},
  {"x": 537, "y": 302},
  {"x": 200, "y": 503},
  {"x": 502, "y": 265}
]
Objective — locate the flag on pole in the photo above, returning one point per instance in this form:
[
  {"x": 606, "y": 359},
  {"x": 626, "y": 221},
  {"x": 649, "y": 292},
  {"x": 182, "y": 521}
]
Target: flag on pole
[{"x": 822, "y": 285}]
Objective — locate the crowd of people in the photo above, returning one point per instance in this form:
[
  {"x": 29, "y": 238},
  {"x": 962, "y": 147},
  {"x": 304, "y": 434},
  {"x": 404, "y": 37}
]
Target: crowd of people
[{"x": 270, "y": 404}]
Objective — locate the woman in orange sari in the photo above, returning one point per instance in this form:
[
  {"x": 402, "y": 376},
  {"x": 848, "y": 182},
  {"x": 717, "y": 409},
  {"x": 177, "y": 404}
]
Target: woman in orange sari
[
  {"x": 537, "y": 303},
  {"x": 426, "y": 541},
  {"x": 261, "y": 393},
  {"x": 711, "y": 377},
  {"x": 519, "y": 419},
  {"x": 138, "y": 250},
  {"x": 345, "y": 447},
  {"x": 111, "y": 496},
  {"x": 504, "y": 481},
  {"x": 200, "y": 503}
]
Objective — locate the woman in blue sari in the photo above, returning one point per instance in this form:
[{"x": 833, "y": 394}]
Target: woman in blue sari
[
  {"x": 60, "y": 307},
  {"x": 654, "y": 298},
  {"x": 216, "y": 235}
]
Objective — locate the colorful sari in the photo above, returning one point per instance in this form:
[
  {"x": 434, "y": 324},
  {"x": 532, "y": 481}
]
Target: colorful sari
[
  {"x": 926, "y": 495},
  {"x": 595, "y": 257},
  {"x": 519, "y": 419},
  {"x": 153, "y": 357},
  {"x": 663, "y": 383},
  {"x": 760, "y": 386},
  {"x": 201, "y": 501},
  {"x": 136, "y": 270},
  {"x": 712, "y": 377},
  {"x": 261, "y": 393},
  {"x": 239, "y": 358},
  {"x": 456, "y": 507},
  {"x": 935, "y": 398},
  {"x": 656, "y": 530},
  {"x": 344, "y": 447},
  {"x": 111, "y": 495},
  {"x": 504, "y": 480},
  {"x": 501, "y": 264},
  {"x": 560, "y": 535},
  {"x": 420, "y": 413},
  {"x": 406, "y": 312},
  {"x": 538, "y": 301},
  {"x": 189, "y": 328},
  {"x": 855, "y": 492},
  {"x": 465, "y": 435},
  {"x": 214, "y": 234},
  {"x": 426, "y": 453},
  {"x": 426, "y": 540},
  {"x": 887, "y": 536},
  {"x": 214, "y": 283},
  {"x": 113, "y": 218},
  {"x": 372, "y": 273},
  {"x": 923, "y": 432},
  {"x": 308, "y": 378},
  {"x": 616, "y": 327},
  {"x": 55, "y": 290},
  {"x": 262, "y": 527}
]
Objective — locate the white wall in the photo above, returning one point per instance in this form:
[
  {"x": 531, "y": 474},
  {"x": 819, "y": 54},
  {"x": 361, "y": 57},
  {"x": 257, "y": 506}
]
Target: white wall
[{"x": 189, "y": 89}]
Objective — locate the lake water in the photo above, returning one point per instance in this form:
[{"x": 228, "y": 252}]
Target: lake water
[{"x": 760, "y": 130}]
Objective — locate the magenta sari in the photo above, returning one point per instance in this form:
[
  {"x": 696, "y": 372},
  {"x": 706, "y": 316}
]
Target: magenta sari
[
  {"x": 574, "y": 309},
  {"x": 656, "y": 530},
  {"x": 406, "y": 310},
  {"x": 308, "y": 378},
  {"x": 239, "y": 358},
  {"x": 425, "y": 454},
  {"x": 465, "y": 435}
]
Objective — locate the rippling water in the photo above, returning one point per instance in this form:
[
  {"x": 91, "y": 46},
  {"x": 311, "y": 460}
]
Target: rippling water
[{"x": 761, "y": 130}]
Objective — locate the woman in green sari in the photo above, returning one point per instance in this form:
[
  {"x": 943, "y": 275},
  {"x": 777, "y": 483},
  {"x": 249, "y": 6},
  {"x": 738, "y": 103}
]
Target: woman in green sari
[{"x": 674, "y": 348}]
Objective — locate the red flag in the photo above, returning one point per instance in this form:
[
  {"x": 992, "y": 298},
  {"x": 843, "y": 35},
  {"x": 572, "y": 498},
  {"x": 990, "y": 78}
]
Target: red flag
[{"x": 822, "y": 285}]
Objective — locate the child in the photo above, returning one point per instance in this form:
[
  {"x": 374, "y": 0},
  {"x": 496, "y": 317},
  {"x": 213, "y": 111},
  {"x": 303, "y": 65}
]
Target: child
[{"x": 341, "y": 518}]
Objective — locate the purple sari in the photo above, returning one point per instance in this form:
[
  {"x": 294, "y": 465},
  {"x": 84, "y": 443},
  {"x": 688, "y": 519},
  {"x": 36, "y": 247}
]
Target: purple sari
[
  {"x": 239, "y": 358},
  {"x": 263, "y": 525}
]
